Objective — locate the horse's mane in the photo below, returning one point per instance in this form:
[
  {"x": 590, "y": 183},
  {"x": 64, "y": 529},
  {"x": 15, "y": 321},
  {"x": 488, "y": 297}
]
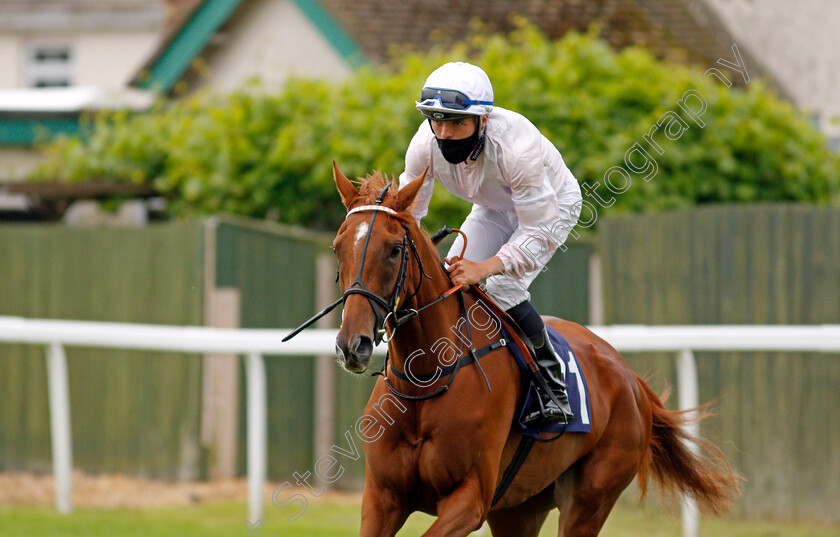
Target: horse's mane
[
  {"x": 371, "y": 185},
  {"x": 369, "y": 188}
]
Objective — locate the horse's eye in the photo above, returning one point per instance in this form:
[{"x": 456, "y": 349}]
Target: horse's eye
[{"x": 396, "y": 250}]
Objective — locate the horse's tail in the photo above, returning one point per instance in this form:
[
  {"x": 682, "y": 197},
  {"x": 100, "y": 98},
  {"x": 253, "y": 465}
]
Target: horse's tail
[{"x": 707, "y": 478}]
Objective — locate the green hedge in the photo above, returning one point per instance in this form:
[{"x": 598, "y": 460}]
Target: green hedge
[{"x": 267, "y": 153}]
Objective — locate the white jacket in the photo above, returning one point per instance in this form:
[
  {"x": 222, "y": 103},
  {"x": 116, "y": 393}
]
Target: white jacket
[{"x": 518, "y": 170}]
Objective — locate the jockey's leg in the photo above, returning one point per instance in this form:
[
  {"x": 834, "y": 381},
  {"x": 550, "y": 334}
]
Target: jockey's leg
[
  {"x": 488, "y": 230},
  {"x": 551, "y": 366}
]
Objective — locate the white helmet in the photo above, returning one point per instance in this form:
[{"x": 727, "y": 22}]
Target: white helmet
[{"x": 455, "y": 90}]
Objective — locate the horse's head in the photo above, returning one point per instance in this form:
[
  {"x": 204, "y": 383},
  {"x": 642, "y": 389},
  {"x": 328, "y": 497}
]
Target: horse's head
[{"x": 373, "y": 258}]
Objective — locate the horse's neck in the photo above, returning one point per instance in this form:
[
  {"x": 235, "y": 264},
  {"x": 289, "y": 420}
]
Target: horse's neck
[{"x": 440, "y": 320}]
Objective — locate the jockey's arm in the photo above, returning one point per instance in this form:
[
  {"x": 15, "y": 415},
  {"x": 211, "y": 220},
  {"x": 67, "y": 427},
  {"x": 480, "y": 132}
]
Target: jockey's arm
[
  {"x": 468, "y": 272},
  {"x": 535, "y": 203}
]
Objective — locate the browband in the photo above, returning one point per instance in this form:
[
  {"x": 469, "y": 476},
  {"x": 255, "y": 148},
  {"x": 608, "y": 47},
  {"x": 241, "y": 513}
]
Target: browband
[{"x": 362, "y": 208}]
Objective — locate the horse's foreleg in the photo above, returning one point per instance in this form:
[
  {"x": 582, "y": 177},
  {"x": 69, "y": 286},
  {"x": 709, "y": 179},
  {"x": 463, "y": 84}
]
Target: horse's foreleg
[
  {"x": 462, "y": 511},
  {"x": 383, "y": 513}
]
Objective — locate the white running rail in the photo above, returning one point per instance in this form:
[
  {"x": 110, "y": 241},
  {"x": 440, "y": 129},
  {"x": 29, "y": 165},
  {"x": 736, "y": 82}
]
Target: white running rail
[{"x": 254, "y": 344}]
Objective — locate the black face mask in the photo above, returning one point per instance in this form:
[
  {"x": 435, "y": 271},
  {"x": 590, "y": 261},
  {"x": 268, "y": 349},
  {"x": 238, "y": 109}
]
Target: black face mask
[{"x": 457, "y": 151}]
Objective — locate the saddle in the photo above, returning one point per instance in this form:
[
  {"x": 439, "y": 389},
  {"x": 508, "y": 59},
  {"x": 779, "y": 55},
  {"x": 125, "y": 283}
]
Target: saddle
[{"x": 522, "y": 350}]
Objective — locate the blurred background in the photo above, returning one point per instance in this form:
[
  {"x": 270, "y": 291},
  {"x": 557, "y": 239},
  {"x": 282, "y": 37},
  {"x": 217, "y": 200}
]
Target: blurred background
[{"x": 169, "y": 162}]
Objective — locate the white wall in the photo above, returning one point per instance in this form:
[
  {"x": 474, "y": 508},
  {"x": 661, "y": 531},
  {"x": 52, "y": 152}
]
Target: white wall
[
  {"x": 109, "y": 59},
  {"x": 16, "y": 162},
  {"x": 100, "y": 58},
  {"x": 796, "y": 41},
  {"x": 271, "y": 39},
  {"x": 11, "y": 57}
]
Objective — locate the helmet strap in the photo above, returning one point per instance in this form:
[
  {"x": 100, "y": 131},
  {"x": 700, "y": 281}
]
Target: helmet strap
[{"x": 479, "y": 145}]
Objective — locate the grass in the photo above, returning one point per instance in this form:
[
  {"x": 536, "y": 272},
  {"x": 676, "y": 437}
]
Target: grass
[{"x": 327, "y": 518}]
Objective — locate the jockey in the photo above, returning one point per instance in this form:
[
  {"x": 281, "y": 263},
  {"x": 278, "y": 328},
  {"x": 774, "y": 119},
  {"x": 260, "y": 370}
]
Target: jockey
[{"x": 525, "y": 200}]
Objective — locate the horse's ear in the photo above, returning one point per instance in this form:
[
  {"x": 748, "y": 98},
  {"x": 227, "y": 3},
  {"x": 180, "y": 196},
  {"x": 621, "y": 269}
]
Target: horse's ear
[
  {"x": 345, "y": 187},
  {"x": 406, "y": 195}
]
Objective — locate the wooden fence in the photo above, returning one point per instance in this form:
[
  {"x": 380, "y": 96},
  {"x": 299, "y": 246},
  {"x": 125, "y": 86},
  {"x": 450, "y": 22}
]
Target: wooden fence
[
  {"x": 151, "y": 413},
  {"x": 763, "y": 264}
]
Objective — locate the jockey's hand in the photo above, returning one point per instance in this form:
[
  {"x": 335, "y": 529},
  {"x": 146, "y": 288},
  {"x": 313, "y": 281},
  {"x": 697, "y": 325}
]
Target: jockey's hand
[{"x": 463, "y": 271}]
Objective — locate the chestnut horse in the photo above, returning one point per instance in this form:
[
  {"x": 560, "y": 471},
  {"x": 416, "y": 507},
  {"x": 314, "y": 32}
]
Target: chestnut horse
[{"x": 443, "y": 450}]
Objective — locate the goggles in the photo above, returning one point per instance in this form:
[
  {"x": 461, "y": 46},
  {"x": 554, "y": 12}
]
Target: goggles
[
  {"x": 438, "y": 115},
  {"x": 451, "y": 99}
]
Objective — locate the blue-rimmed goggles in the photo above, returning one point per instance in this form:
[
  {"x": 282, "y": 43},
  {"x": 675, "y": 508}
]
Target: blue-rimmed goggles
[{"x": 451, "y": 99}]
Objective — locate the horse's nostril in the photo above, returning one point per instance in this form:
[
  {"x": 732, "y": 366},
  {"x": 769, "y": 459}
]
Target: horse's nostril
[{"x": 363, "y": 347}]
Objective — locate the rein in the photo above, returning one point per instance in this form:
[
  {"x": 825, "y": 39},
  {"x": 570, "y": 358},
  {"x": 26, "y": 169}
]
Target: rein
[
  {"x": 385, "y": 310},
  {"x": 472, "y": 356},
  {"x": 397, "y": 316}
]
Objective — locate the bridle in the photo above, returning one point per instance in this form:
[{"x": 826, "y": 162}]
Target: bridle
[{"x": 384, "y": 309}]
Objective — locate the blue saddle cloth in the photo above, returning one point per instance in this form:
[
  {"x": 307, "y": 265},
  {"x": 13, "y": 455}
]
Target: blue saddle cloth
[{"x": 575, "y": 386}]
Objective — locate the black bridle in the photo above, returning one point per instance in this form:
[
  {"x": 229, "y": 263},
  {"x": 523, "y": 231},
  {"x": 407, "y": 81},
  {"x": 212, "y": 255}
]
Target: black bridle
[{"x": 383, "y": 309}]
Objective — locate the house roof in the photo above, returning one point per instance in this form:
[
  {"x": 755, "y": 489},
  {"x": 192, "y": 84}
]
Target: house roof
[
  {"x": 196, "y": 21},
  {"x": 88, "y": 14},
  {"x": 369, "y": 29},
  {"x": 675, "y": 29}
]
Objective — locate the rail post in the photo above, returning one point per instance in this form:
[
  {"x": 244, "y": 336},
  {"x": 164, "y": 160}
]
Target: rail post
[
  {"x": 689, "y": 399},
  {"x": 62, "y": 446},
  {"x": 257, "y": 426}
]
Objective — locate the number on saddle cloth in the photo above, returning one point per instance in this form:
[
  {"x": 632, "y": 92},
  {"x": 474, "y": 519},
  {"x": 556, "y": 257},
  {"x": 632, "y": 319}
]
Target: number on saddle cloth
[
  {"x": 523, "y": 352},
  {"x": 576, "y": 390}
]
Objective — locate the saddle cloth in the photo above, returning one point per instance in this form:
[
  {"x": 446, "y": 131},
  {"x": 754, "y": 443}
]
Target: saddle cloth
[{"x": 576, "y": 389}]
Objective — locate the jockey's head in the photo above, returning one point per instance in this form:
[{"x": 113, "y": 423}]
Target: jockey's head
[{"x": 456, "y": 99}]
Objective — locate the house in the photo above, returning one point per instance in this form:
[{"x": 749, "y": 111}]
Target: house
[
  {"x": 60, "y": 58},
  {"x": 221, "y": 44},
  {"x": 177, "y": 47}
]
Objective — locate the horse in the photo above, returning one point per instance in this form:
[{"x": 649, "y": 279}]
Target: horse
[{"x": 440, "y": 445}]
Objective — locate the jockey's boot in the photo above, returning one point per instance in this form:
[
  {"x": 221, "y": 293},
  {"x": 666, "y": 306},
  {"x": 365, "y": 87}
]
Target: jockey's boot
[{"x": 551, "y": 370}]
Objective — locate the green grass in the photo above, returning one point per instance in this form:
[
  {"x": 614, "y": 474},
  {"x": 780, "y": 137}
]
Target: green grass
[{"x": 325, "y": 518}]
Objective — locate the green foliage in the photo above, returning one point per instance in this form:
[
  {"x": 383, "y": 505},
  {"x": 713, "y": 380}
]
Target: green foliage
[{"x": 268, "y": 153}]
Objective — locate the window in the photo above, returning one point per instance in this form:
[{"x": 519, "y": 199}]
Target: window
[{"x": 49, "y": 65}]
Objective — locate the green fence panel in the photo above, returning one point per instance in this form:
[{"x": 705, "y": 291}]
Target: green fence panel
[
  {"x": 134, "y": 412},
  {"x": 351, "y": 395},
  {"x": 562, "y": 290},
  {"x": 761, "y": 264},
  {"x": 274, "y": 269}
]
